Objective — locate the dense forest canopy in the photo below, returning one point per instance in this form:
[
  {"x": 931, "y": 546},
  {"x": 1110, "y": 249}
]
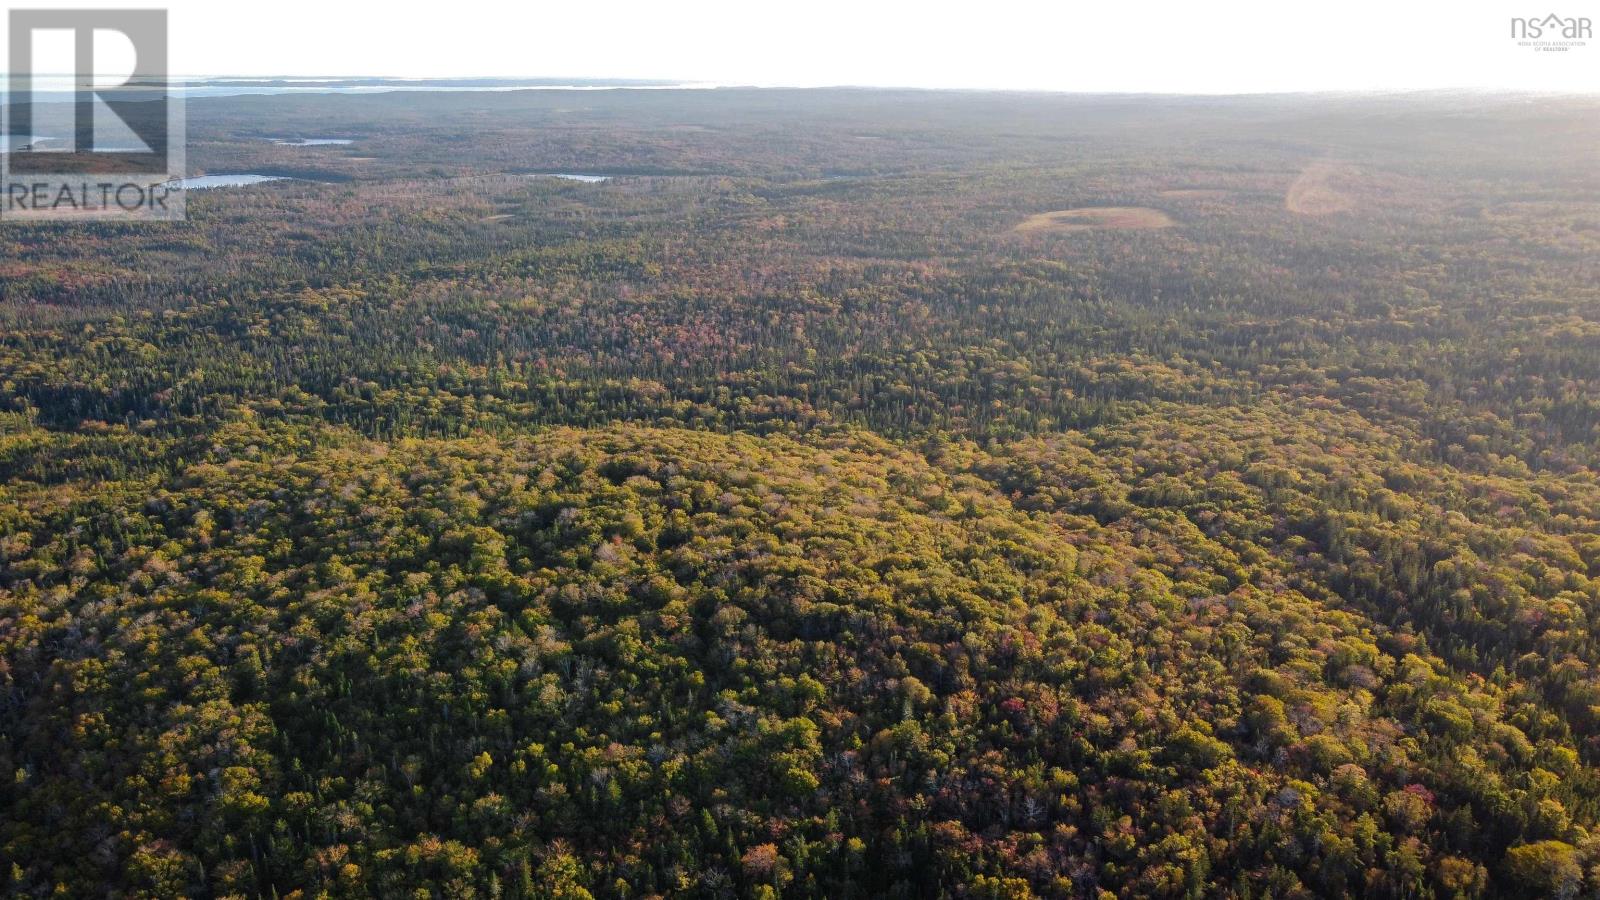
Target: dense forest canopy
[{"x": 860, "y": 493}]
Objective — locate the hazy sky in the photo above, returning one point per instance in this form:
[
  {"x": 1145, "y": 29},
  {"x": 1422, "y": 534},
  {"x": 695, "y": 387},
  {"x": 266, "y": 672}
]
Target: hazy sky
[{"x": 1062, "y": 45}]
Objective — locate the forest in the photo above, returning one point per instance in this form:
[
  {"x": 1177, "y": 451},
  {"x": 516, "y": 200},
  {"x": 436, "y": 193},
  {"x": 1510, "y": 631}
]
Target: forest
[{"x": 857, "y": 493}]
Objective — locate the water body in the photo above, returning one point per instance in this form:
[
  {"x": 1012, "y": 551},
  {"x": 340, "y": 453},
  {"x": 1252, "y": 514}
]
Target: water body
[
  {"x": 586, "y": 179},
  {"x": 226, "y": 87},
  {"x": 58, "y": 89},
  {"x": 11, "y": 142},
  {"x": 312, "y": 142},
  {"x": 25, "y": 142},
  {"x": 206, "y": 182}
]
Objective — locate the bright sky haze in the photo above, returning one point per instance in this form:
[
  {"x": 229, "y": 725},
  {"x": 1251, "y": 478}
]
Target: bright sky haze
[{"x": 1180, "y": 47}]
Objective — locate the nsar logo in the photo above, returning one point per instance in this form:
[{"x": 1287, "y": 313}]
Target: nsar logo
[{"x": 1552, "y": 32}]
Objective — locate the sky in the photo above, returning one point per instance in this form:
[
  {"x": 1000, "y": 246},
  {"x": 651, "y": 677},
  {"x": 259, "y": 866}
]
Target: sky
[{"x": 1061, "y": 45}]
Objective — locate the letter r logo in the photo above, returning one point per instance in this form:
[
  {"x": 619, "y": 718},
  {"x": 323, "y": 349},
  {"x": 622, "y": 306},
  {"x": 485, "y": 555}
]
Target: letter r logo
[
  {"x": 92, "y": 124},
  {"x": 124, "y": 125}
]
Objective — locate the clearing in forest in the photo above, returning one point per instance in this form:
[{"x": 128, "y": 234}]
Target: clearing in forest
[
  {"x": 1092, "y": 217},
  {"x": 1321, "y": 188},
  {"x": 1196, "y": 193}
]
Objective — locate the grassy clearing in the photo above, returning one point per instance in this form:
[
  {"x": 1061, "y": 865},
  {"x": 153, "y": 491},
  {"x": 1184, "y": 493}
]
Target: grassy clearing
[
  {"x": 1093, "y": 217},
  {"x": 1323, "y": 188},
  {"x": 1197, "y": 193}
]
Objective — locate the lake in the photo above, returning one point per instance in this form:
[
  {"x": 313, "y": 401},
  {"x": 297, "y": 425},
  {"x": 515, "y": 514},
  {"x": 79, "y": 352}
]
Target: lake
[
  {"x": 206, "y": 182},
  {"x": 10, "y": 142},
  {"x": 586, "y": 179},
  {"x": 58, "y": 88},
  {"x": 311, "y": 142}
]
